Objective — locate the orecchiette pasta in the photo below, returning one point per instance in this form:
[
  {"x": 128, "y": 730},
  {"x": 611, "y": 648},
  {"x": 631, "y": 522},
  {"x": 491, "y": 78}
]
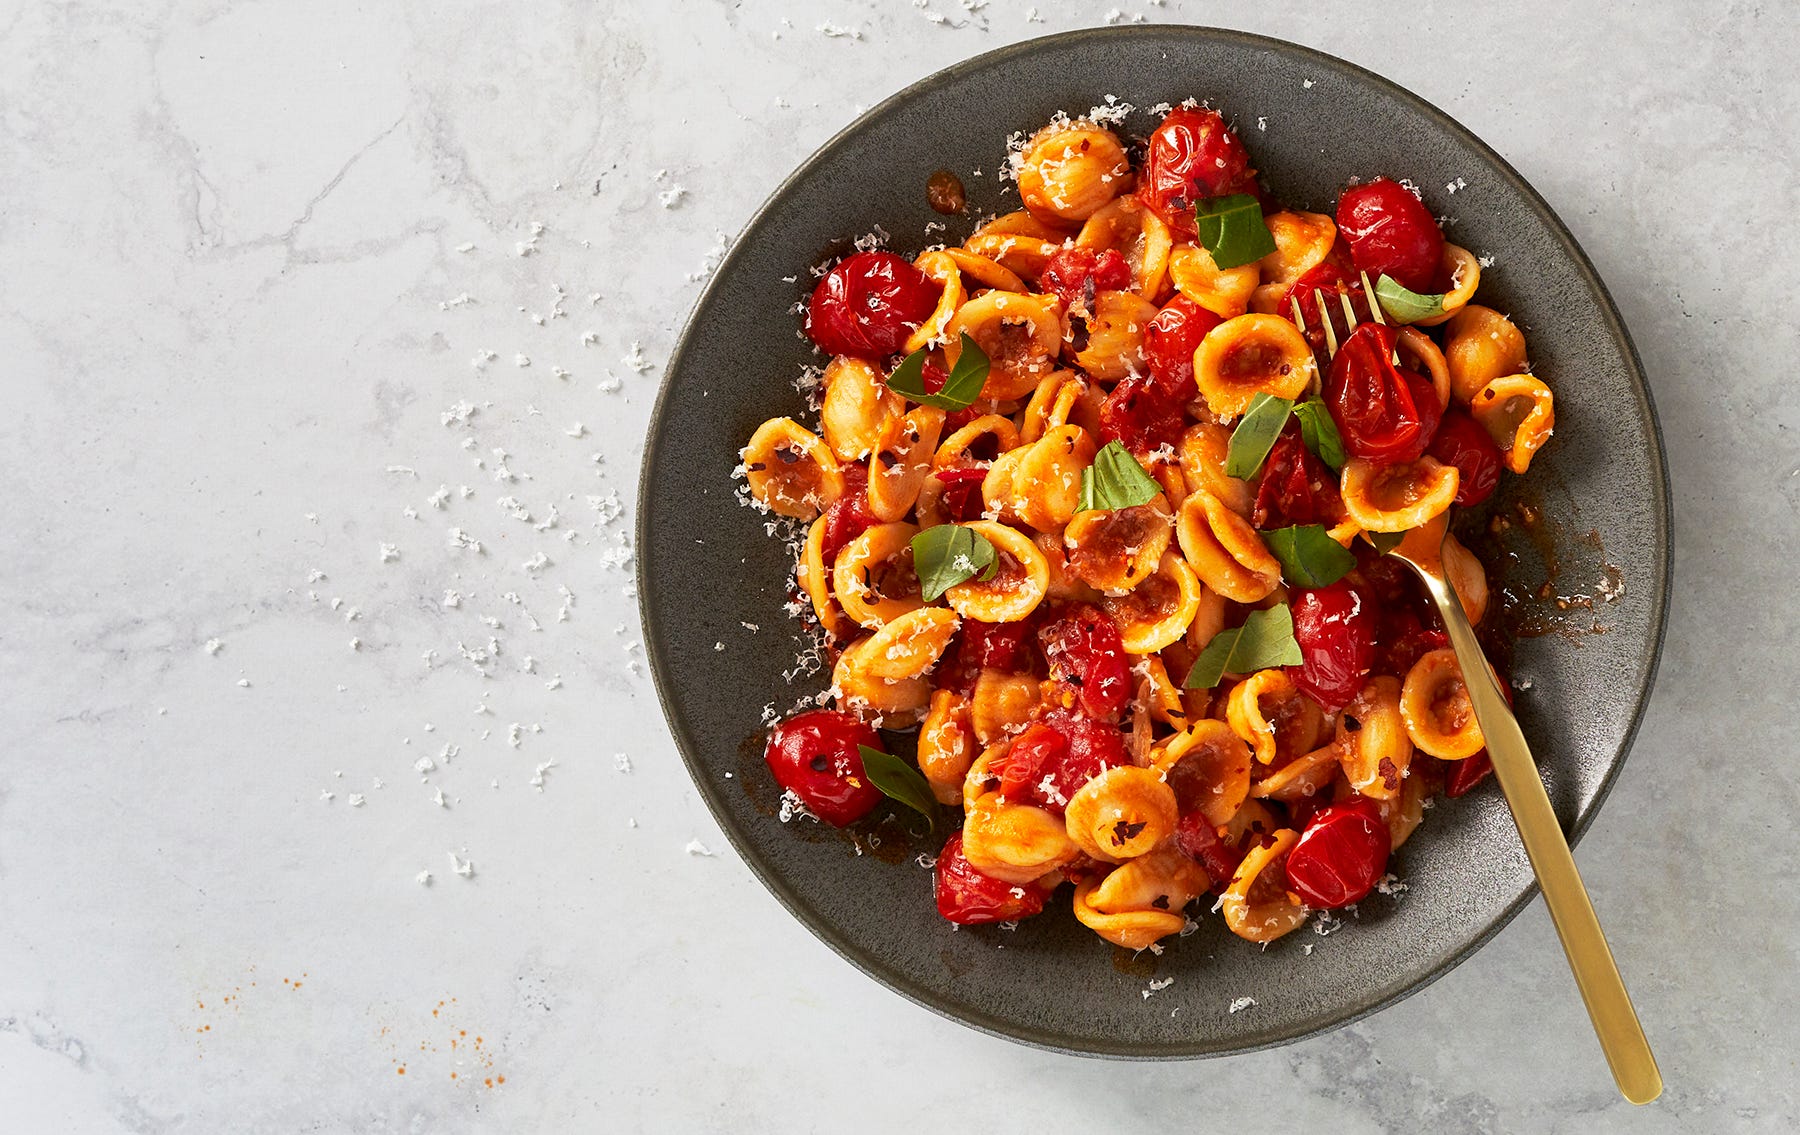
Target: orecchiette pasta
[{"x": 1104, "y": 678}]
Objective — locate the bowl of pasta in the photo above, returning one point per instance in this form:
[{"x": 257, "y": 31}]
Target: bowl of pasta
[{"x": 1012, "y": 532}]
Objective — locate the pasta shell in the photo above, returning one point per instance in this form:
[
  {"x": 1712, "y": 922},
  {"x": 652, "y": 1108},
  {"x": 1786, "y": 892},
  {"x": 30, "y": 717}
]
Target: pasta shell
[
  {"x": 1480, "y": 345},
  {"x": 1434, "y": 704},
  {"x": 1250, "y": 355},
  {"x": 1114, "y": 550},
  {"x": 1225, "y": 551},
  {"x": 1255, "y": 906},
  {"x": 790, "y": 470},
  {"x": 1518, "y": 412},
  {"x": 1020, "y": 582},
  {"x": 873, "y": 577},
  {"x": 1125, "y": 226},
  {"x": 1121, "y": 814},
  {"x": 1068, "y": 171},
  {"x": 1399, "y": 496}
]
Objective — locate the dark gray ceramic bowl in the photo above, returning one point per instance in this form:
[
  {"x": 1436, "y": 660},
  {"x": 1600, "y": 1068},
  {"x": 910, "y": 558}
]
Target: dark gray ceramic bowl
[{"x": 705, "y": 566}]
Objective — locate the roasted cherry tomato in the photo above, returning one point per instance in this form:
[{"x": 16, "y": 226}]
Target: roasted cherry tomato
[
  {"x": 1461, "y": 441},
  {"x": 961, "y": 499},
  {"x": 869, "y": 304},
  {"x": 1296, "y": 487},
  {"x": 1383, "y": 413},
  {"x": 1461, "y": 776},
  {"x": 1087, "y": 660},
  {"x": 1140, "y": 416},
  {"x": 967, "y": 897},
  {"x": 1169, "y": 343},
  {"x": 1075, "y": 274},
  {"x": 1053, "y": 757},
  {"x": 1391, "y": 231},
  {"x": 1200, "y": 841},
  {"x": 849, "y": 516},
  {"x": 813, "y": 755},
  {"x": 1331, "y": 279},
  {"x": 1341, "y": 855},
  {"x": 1335, "y": 627},
  {"x": 1192, "y": 155},
  {"x": 1404, "y": 638},
  {"x": 999, "y": 646}
]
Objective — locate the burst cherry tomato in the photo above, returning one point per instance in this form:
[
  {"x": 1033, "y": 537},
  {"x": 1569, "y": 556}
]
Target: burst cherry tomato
[
  {"x": 1383, "y": 413},
  {"x": 1391, "y": 231},
  {"x": 968, "y": 897},
  {"x": 1192, "y": 155},
  {"x": 961, "y": 498},
  {"x": 1461, "y": 441},
  {"x": 1341, "y": 855},
  {"x": 998, "y": 646},
  {"x": 1335, "y": 627},
  {"x": 813, "y": 755},
  {"x": 1054, "y": 756},
  {"x": 869, "y": 304},
  {"x": 1200, "y": 841},
  {"x": 1140, "y": 416},
  {"x": 1404, "y": 638},
  {"x": 849, "y": 516},
  {"x": 1169, "y": 343},
  {"x": 1461, "y": 776},
  {"x": 1087, "y": 660},
  {"x": 1296, "y": 487},
  {"x": 1076, "y": 273}
]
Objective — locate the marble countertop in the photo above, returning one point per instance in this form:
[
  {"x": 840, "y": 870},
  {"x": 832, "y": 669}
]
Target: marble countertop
[{"x": 310, "y": 814}]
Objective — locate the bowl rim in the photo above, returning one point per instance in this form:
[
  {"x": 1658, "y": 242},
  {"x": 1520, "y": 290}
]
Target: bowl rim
[{"x": 980, "y": 1019}]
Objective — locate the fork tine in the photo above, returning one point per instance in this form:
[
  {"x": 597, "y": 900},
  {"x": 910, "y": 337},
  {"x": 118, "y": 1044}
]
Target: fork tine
[
  {"x": 1331, "y": 345},
  {"x": 1374, "y": 304}
]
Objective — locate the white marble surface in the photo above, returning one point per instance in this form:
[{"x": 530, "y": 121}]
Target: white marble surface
[{"x": 232, "y": 263}]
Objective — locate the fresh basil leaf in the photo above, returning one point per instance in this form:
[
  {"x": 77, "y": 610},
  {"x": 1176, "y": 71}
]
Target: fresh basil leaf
[
  {"x": 899, "y": 781},
  {"x": 1232, "y": 230},
  {"x": 1385, "y": 542},
  {"x": 959, "y": 391},
  {"x": 1115, "y": 480},
  {"x": 1309, "y": 556},
  {"x": 1404, "y": 305},
  {"x": 1266, "y": 639},
  {"x": 1255, "y": 434},
  {"x": 946, "y": 554},
  {"x": 1320, "y": 432}
]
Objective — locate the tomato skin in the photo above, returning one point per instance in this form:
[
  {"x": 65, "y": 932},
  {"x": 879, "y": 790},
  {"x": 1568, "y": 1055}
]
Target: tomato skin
[
  {"x": 868, "y": 304},
  {"x": 1169, "y": 343},
  {"x": 1200, "y": 841},
  {"x": 961, "y": 499},
  {"x": 1341, "y": 855},
  {"x": 1461, "y": 441},
  {"x": 1053, "y": 757},
  {"x": 1087, "y": 659},
  {"x": 1335, "y": 627},
  {"x": 967, "y": 897},
  {"x": 1069, "y": 273},
  {"x": 814, "y": 756},
  {"x": 1139, "y": 416},
  {"x": 999, "y": 646},
  {"x": 1190, "y": 156},
  {"x": 849, "y": 516},
  {"x": 1383, "y": 413},
  {"x": 1296, "y": 487},
  {"x": 1391, "y": 231},
  {"x": 1461, "y": 776}
]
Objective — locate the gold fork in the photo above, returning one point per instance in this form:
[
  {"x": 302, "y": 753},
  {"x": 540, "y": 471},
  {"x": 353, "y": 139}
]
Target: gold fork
[{"x": 1596, "y": 974}]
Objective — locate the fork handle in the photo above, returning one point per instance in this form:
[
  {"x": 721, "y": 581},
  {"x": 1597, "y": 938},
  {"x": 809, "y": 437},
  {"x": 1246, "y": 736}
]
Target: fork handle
[{"x": 1596, "y": 974}]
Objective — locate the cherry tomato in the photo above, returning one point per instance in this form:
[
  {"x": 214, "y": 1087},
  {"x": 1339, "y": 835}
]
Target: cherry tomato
[
  {"x": 1383, "y": 413},
  {"x": 1341, "y": 855},
  {"x": 1335, "y": 627},
  {"x": 1192, "y": 155},
  {"x": 1054, "y": 756},
  {"x": 849, "y": 516},
  {"x": 1331, "y": 279},
  {"x": 1392, "y": 231},
  {"x": 1200, "y": 841},
  {"x": 869, "y": 304},
  {"x": 1140, "y": 416},
  {"x": 999, "y": 646},
  {"x": 813, "y": 755},
  {"x": 1461, "y": 441},
  {"x": 961, "y": 499},
  {"x": 1075, "y": 274},
  {"x": 1296, "y": 487},
  {"x": 1169, "y": 343},
  {"x": 1404, "y": 638},
  {"x": 1461, "y": 776},
  {"x": 967, "y": 897},
  {"x": 1087, "y": 660}
]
